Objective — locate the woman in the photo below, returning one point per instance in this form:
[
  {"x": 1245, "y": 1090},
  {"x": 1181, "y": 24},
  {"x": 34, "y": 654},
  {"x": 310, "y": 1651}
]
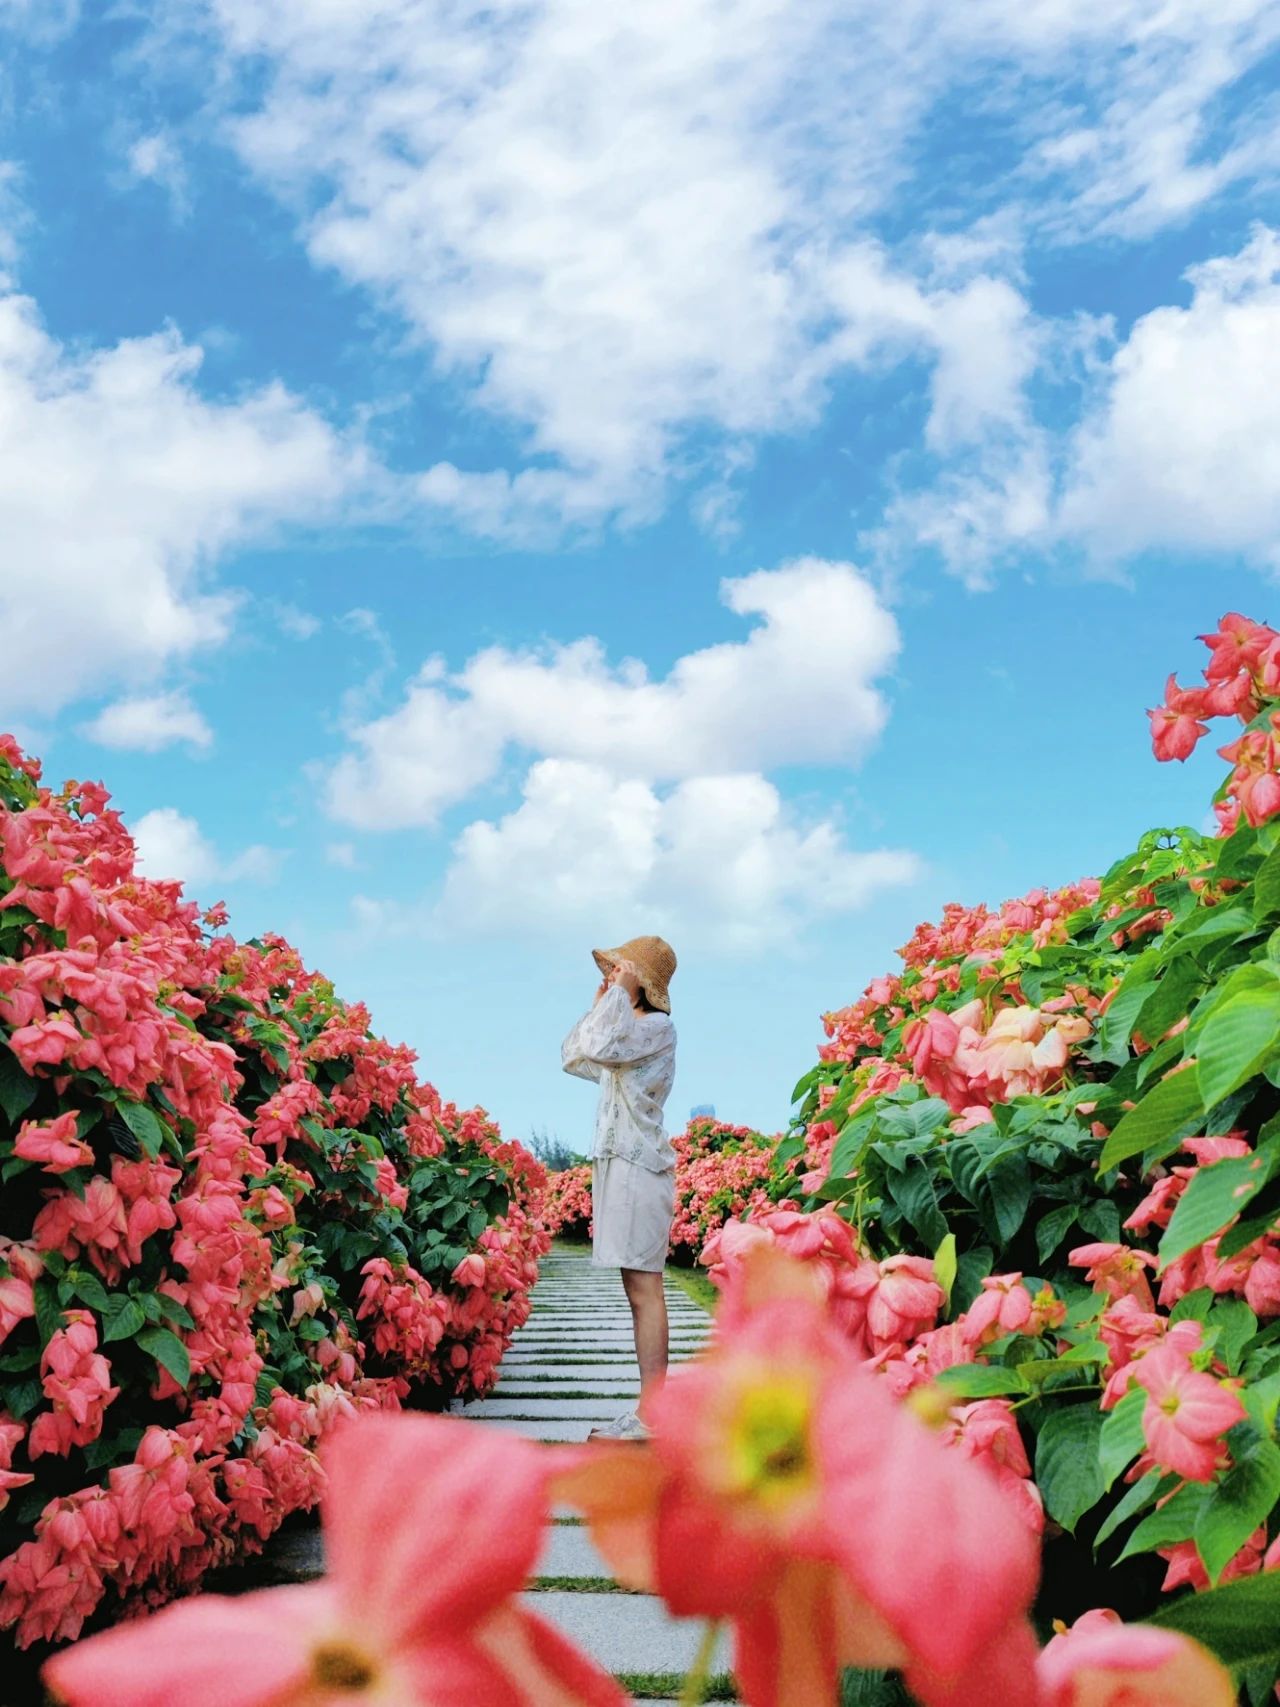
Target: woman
[{"x": 627, "y": 1043}]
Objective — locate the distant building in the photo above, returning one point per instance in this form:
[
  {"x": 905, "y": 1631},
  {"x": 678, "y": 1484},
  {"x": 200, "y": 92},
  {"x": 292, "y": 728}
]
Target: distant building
[{"x": 704, "y": 1111}]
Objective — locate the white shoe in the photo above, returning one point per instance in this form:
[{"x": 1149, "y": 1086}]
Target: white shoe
[{"x": 626, "y": 1427}]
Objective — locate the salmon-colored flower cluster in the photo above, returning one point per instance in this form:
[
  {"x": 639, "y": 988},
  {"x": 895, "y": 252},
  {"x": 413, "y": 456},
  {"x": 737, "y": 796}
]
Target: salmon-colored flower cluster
[
  {"x": 784, "y": 1491},
  {"x": 195, "y": 1134},
  {"x": 1242, "y": 674}
]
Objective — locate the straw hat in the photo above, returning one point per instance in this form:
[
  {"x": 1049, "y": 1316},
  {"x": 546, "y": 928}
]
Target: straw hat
[{"x": 653, "y": 959}]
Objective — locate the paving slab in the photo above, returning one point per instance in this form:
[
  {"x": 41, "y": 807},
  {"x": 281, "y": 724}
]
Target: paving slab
[
  {"x": 530, "y": 1389},
  {"x": 549, "y": 1408},
  {"x": 623, "y": 1369},
  {"x": 577, "y": 1430},
  {"x": 627, "y": 1632},
  {"x": 570, "y": 1552}
]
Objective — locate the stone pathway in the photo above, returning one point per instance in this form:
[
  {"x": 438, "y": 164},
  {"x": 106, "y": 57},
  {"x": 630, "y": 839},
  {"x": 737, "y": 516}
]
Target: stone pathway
[{"x": 570, "y": 1367}]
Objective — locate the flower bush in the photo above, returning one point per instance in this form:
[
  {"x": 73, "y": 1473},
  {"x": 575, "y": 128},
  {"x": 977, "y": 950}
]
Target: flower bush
[
  {"x": 568, "y": 1202},
  {"x": 1038, "y": 1171},
  {"x": 785, "y": 1492},
  {"x": 721, "y": 1172},
  {"x": 230, "y": 1217}
]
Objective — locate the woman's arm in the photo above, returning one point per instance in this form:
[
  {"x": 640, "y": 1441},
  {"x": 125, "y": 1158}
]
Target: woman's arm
[
  {"x": 614, "y": 1035},
  {"x": 572, "y": 1058}
]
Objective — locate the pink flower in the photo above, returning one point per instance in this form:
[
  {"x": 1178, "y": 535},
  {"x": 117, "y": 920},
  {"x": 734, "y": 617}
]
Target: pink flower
[
  {"x": 988, "y": 1432},
  {"x": 901, "y": 1296},
  {"x": 1174, "y": 734},
  {"x": 431, "y": 1528},
  {"x": 1002, "y": 1307},
  {"x": 1101, "y": 1662},
  {"x": 777, "y": 1491},
  {"x": 1186, "y": 1414},
  {"x": 53, "y": 1144},
  {"x": 470, "y": 1271},
  {"x": 1117, "y": 1270}
]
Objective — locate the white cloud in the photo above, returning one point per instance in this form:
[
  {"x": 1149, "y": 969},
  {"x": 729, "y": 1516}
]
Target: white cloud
[
  {"x": 119, "y": 486},
  {"x": 1183, "y": 449},
  {"x": 341, "y": 854},
  {"x": 717, "y": 857},
  {"x": 294, "y": 622},
  {"x": 157, "y": 159},
  {"x": 148, "y": 722},
  {"x": 171, "y": 845},
  {"x": 800, "y": 689},
  {"x": 620, "y": 229}
]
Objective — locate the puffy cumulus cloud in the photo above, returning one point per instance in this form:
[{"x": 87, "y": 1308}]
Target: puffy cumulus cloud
[
  {"x": 1182, "y": 451},
  {"x": 800, "y": 689},
  {"x": 172, "y": 845},
  {"x": 119, "y": 485},
  {"x": 716, "y": 858},
  {"x": 148, "y": 722},
  {"x": 628, "y": 230}
]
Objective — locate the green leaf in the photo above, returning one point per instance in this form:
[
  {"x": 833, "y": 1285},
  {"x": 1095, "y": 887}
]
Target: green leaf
[
  {"x": 17, "y": 1089},
  {"x": 49, "y": 1318},
  {"x": 1137, "y": 1498},
  {"x": 1216, "y": 1195},
  {"x": 1238, "y": 1621},
  {"x": 980, "y": 1381},
  {"x": 913, "y": 1191},
  {"x": 145, "y": 1124},
  {"x": 1171, "y": 1107},
  {"x": 20, "y": 1398},
  {"x": 168, "y": 1351},
  {"x": 1122, "y": 1438},
  {"x": 1238, "y": 1038},
  {"x": 1112, "y": 1042},
  {"x": 1101, "y": 1218},
  {"x": 1233, "y": 1324},
  {"x": 176, "y": 1312},
  {"x": 1266, "y": 887},
  {"x": 1174, "y": 1521},
  {"x": 1241, "y": 1500},
  {"x": 1010, "y": 1196},
  {"x": 123, "y": 1317},
  {"x": 806, "y": 1084},
  {"x": 88, "y": 1287},
  {"x": 1068, "y": 1473},
  {"x": 1170, "y": 1001},
  {"x": 945, "y": 1267},
  {"x": 1053, "y": 1228}
]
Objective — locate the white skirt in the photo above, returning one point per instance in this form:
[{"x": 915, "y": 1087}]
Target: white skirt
[{"x": 632, "y": 1209}]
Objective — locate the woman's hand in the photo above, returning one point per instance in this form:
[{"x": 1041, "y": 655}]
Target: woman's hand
[
  {"x": 626, "y": 974},
  {"x": 604, "y": 986}
]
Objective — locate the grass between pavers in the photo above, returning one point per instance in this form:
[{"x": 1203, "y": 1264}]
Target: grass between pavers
[
  {"x": 694, "y": 1284},
  {"x": 664, "y": 1685},
  {"x": 580, "y": 1585}
]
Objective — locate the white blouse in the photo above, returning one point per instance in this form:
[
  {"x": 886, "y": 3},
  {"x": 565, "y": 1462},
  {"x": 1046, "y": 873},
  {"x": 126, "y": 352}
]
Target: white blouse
[{"x": 633, "y": 1057}]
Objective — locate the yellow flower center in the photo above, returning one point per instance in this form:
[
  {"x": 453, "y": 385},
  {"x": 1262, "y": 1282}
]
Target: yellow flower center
[
  {"x": 769, "y": 1457},
  {"x": 338, "y": 1666}
]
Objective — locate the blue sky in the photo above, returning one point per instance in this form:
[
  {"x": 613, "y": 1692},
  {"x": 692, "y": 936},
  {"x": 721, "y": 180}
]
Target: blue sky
[{"x": 482, "y": 481}]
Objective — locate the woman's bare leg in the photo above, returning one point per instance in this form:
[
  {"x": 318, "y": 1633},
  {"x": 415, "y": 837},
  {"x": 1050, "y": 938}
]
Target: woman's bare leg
[{"x": 649, "y": 1318}]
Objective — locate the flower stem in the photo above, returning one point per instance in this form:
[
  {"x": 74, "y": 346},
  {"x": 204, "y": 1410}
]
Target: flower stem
[
  {"x": 1052, "y": 1393},
  {"x": 696, "y": 1683}
]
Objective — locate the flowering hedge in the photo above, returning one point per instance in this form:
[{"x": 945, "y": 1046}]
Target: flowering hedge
[
  {"x": 230, "y": 1217},
  {"x": 1042, "y": 1170},
  {"x": 722, "y": 1171}
]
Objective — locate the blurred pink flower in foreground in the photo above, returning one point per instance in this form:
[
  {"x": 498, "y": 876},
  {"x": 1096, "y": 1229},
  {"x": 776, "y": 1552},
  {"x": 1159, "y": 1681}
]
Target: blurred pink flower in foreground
[
  {"x": 1101, "y": 1662},
  {"x": 431, "y": 1528}
]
